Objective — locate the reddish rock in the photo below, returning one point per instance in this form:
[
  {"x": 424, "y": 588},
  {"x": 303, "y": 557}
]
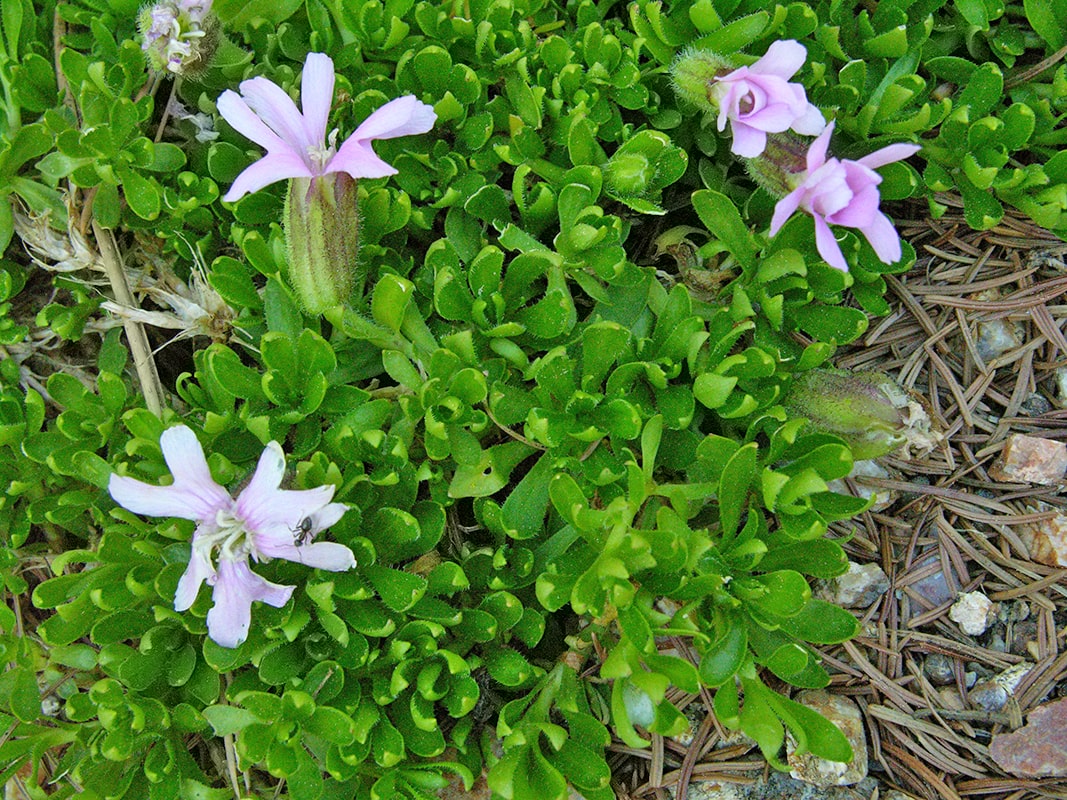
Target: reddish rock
[
  {"x": 1030, "y": 459},
  {"x": 1039, "y": 749},
  {"x": 1046, "y": 540}
]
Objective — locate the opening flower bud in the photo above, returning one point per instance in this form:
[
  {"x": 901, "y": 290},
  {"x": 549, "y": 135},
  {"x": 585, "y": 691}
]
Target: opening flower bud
[
  {"x": 321, "y": 236},
  {"x": 869, "y": 410}
]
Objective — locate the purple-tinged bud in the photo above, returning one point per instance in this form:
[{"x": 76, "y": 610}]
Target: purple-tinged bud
[
  {"x": 781, "y": 166},
  {"x": 869, "y": 410},
  {"x": 322, "y": 240}
]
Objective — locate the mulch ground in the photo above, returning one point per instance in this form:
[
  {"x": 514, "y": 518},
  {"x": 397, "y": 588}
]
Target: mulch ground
[{"x": 950, "y": 528}]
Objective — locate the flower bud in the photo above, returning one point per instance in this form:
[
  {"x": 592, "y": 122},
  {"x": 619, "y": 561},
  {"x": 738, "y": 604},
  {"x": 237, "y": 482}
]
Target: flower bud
[
  {"x": 869, "y": 410},
  {"x": 781, "y": 166},
  {"x": 695, "y": 72},
  {"x": 322, "y": 239},
  {"x": 179, "y": 36}
]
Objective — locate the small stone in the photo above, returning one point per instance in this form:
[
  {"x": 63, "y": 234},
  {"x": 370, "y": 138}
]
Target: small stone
[
  {"x": 997, "y": 644},
  {"x": 940, "y": 669},
  {"x": 845, "y": 714},
  {"x": 988, "y": 696},
  {"x": 992, "y": 694},
  {"x": 1061, "y": 386},
  {"x": 1030, "y": 459},
  {"x": 1039, "y": 749},
  {"x": 711, "y": 790},
  {"x": 971, "y": 612},
  {"x": 694, "y": 713},
  {"x": 933, "y": 588},
  {"x": 1020, "y": 610},
  {"x": 896, "y": 794},
  {"x": 951, "y": 699},
  {"x": 997, "y": 337},
  {"x": 1046, "y": 540},
  {"x": 858, "y": 588},
  {"x": 1035, "y": 405},
  {"x": 1023, "y": 633}
]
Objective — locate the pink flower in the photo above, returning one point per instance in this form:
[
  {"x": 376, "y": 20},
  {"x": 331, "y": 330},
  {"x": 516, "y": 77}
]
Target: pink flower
[
  {"x": 264, "y": 522},
  {"x": 759, "y": 100},
  {"x": 296, "y": 143},
  {"x": 843, "y": 192}
]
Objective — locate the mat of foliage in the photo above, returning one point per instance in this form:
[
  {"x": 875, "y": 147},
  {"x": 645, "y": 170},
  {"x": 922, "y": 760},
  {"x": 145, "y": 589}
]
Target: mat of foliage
[
  {"x": 555, "y": 414},
  {"x": 950, "y": 528}
]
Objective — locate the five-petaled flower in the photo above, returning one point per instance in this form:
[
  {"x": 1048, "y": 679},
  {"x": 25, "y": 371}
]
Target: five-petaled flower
[
  {"x": 263, "y": 522},
  {"x": 759, "y": 99},
  {"x": 843, "y": 192},
  {"x": 296, "y": 143}
]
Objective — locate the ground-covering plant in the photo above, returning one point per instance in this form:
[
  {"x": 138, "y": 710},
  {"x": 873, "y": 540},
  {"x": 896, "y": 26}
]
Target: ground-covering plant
[{"x": 553, "y": 407}]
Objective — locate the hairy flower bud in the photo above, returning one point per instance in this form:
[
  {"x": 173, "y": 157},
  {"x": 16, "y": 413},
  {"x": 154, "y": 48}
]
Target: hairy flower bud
[
  {"x": 322, "y": 239},
  {"x": 179, "y": 36},
  {"x": 869, "y": 410}
]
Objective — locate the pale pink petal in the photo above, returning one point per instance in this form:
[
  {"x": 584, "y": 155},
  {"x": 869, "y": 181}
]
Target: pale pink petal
[
  {"x": 727, "y": 96},
  {"x": 193, "y": 495},
  {"x": 772, "y": 118},
  {"x": 827, "y": 190},
  {"x": 245, "y": 121},
  {"x": 156, "y": 501},
  {"x": 278, "y": 111},
  {"x": 889, "y": 154},
  {"x": 782, "y": 59},
  {"x": 282, "y": 510},
  {"x": 748, "y": 142},
  {"x": 828, "y": 246},
  {"x": 860, "y": 211},
  {"x": 320, "y": 555},
  {"x": 316, "y": 95},
  {"x": 884, "y": 239},
  {"x": 185, "y": 459},
  {"x": 404, "y": 116},
  {"x": 236, "y": 586},
  {"x": 198, "y": 571},
  {"x": 327, "y": 516},
  {"x": 817, "y": 150},
  {"x": 358, "y": 159},
  {"x": 785, "y": 208},
  {"x": 265, "y": 480},
  {"x": 810, "y": 123},
  {"x": 273, "y": 167},
  {"x": 269, "y": 511}
]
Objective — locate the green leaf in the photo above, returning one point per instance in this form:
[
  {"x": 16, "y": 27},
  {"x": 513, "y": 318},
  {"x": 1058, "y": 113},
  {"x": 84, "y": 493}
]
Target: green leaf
[
  {"x": 720, "y": 662},
  {"x": 399, "y": 590},
  {"x": 786, "y": 593},
  {"x": 831, "y": 324},
  {"x": 984, "y": 89},
  {"x": 1048, "y": 18},
  {"x": 820, "y": 558},
  {"x": 19, "y": 686},
  {"x": 389, "y": 303},
  {"x": 142, "y": 194},
  {"x": 736, "y": 35},
  {"x": 721, "y": 217},
  {"x": 734, "y": 485},
  {"x": 226, "y": 719},
  {"x": 820, "y": 622},
  {"x": 815, "y": 733}
]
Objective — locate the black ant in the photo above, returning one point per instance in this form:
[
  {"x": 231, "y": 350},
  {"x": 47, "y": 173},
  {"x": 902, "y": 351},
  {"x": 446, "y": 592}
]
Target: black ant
[{"x": 301, "y": 532}]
